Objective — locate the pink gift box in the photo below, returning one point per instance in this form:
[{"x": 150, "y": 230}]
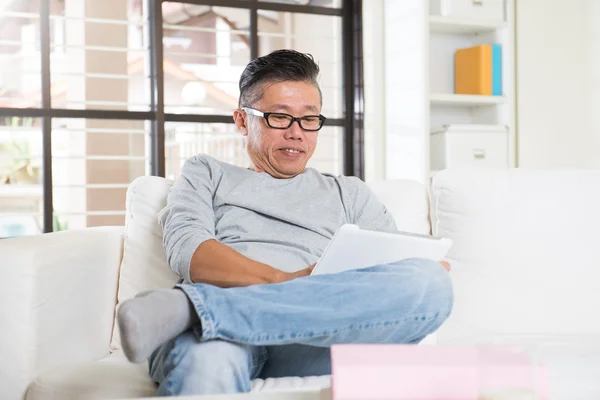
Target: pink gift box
[{"x": 410, "y": 372}]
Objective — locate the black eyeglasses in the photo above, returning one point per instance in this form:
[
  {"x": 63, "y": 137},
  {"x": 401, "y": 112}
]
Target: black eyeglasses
[{"x": 310, "y": 123}]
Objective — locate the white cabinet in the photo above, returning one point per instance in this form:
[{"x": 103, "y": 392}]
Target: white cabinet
[
  {"x": 492, "y": 10},
  {"x": 469, "y": 146}
]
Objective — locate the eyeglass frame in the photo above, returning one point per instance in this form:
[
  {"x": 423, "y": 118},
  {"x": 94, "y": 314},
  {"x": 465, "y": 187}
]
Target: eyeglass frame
[{"x": 266, "y": 115}]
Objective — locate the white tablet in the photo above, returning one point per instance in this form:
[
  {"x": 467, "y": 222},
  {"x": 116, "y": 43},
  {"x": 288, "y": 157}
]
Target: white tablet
[{"x": 354, "y": 248}]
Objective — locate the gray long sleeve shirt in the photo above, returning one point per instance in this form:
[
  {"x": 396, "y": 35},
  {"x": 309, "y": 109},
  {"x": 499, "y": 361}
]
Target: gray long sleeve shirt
[{"x": 285, "y": 223}]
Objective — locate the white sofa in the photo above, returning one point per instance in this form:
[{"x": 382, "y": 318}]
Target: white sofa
[{"x": 525, "y": 270}]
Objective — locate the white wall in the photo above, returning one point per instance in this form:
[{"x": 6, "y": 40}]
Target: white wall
[
  {"x": 558, "y": 83},
  {"x": 406, "y": 83},
  {"x": 374, "y": 99}
]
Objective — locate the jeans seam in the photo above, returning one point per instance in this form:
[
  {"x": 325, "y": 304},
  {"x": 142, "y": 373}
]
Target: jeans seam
[
  {"x": 168, "y": 361},
  {"x": 361, "y": 327},
  {"x": 259, "y": 360},
  {"x": 207, "y": 320}
]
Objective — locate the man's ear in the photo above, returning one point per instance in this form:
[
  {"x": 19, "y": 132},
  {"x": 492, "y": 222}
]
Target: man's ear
[{"x": 241, "y": 121}]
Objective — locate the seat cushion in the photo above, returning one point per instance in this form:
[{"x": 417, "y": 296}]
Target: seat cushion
[
  {"x": 115, "y": 378},
  {"x": 110, "y": 378}
]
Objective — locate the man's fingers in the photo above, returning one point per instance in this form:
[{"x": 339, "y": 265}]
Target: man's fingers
[
  {"x": 303, "y": 272},
  {"x": 308, "y": 270},
  {"x": 445, "y": 264}
]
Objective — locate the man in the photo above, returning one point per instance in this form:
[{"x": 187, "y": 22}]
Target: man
[{"x": 244, "y": 241}]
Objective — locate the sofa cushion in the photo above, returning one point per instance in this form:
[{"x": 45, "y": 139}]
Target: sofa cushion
[
  {"x": 110, "y": 378},
  {"x": 407, "y": 201},
  {"x": 525, "y": 253},
  {"x": 145, "y": 267},
  {"x": 115, "y": 378}
]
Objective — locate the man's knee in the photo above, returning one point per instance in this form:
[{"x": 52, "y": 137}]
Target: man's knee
[
  {"x": 431, "y": 283},
  {"x": 193, "y": 367}
]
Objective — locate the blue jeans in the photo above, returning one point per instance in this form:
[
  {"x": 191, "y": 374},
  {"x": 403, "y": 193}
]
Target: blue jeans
[{"x": 286, "y": 329}]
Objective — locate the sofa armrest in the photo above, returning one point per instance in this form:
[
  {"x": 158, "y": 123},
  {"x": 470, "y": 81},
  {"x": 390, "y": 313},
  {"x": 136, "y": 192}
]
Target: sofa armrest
[{"x": 57, "y": 300}]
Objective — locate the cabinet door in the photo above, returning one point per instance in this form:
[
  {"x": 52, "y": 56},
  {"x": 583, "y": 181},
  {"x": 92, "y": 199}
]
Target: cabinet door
[
  {"x": 480, "y": 9},
  {"x": 467, "y": 150}
]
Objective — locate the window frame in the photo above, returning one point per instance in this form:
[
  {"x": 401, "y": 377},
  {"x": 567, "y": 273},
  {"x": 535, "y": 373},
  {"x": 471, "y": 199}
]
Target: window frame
[{"x": 352, "y": 121}]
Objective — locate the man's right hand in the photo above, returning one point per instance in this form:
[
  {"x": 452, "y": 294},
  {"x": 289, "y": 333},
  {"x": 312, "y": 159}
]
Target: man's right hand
[{"x": 288, "y": 276}]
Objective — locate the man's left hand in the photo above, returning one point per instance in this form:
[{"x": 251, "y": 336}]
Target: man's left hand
[{"x": 446, "y": 265}]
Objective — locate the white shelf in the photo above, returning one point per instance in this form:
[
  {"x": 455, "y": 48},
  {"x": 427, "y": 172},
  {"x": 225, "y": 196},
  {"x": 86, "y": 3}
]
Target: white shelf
[
  {"x": 465, "y": 100},
  {"x": 439, "y": 24}
]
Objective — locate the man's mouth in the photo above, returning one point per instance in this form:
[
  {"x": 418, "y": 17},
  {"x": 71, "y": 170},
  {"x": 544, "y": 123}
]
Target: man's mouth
[{"x": 292, "y": 151}]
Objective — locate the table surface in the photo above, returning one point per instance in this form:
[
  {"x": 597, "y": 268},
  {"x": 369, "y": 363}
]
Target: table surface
[{"x": 315, "y": 394}]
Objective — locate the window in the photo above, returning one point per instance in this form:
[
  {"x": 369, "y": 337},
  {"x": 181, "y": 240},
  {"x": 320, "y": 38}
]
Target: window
[{"x": 94, "y": 94}]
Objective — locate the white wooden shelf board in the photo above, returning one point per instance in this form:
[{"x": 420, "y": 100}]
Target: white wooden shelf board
[
  {"x": 460, "y": 100},
  {"x": 438, "y": 24}
]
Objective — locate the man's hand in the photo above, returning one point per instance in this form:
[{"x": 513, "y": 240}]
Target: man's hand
[
  {"x": 288, "y": 276},
  {"x": 446, "y": 265}
]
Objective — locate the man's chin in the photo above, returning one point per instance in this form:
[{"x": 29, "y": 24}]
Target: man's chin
[
  {"x": 289, "y": 168},
  {"x": 288, "y": 172}
]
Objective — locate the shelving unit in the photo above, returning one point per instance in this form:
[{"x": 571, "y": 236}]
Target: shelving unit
[
  {"x": 462, "y": 100},
  {"x": 419, "y": 97},
  {"x": 446, "y": 35}
]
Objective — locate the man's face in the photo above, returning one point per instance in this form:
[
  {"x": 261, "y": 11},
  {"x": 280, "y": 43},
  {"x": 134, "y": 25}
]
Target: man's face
[{"x": 282, "y": 153}]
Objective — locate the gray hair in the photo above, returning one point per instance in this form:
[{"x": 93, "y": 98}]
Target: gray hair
[{"x": 278, "y": 66}]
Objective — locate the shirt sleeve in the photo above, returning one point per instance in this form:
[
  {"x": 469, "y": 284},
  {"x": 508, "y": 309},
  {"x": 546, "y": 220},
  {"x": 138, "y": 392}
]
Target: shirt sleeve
[
  {"x": 188, "y": 220},
  {"x": 368, "y": 211}
]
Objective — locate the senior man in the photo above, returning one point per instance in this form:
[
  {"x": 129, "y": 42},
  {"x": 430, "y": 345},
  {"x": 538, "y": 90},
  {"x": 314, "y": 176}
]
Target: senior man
[{"x": 244, "y": 241}]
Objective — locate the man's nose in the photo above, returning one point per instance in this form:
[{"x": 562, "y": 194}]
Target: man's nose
[{"x": 294, "y": 131}]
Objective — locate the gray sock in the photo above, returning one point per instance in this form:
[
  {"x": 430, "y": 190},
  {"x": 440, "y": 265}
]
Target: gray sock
[{"x": 153, "y": 318}]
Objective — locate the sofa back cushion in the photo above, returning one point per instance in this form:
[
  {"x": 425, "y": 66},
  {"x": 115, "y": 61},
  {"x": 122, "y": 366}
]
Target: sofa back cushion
[
  {"x": 145, "y": 267},
  {"x": 525, "y": 252}
]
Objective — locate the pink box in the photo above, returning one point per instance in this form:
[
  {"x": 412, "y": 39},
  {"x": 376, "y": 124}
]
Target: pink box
[{"x": 410, "y": 372}]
